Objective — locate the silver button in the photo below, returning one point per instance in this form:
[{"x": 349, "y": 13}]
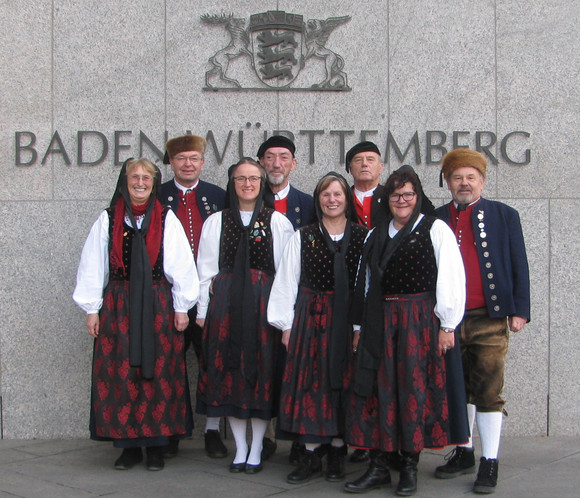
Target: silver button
[
  {"x": 484, "y": 244},
  {"x": 488, "y": 265},
  {"x": 496, "y": 308},
  {"x": 491, "y": 286},
  {"x": 493, "y": 297},
  {"x": 486, "y": 254},
  {"x": 490, "y": 275}
]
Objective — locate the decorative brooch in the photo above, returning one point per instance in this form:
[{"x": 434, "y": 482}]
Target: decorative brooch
[{"x": 259, "y": 231}]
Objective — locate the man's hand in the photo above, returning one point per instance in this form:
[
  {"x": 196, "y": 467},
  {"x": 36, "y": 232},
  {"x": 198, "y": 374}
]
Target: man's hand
[{"x": 516, "y": 323}]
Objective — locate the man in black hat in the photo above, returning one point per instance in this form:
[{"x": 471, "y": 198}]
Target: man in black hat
[
  {"x": 363, "y": 162},
  {"x": 193, "y": 200},
  {"x": 276, "y": 155}
]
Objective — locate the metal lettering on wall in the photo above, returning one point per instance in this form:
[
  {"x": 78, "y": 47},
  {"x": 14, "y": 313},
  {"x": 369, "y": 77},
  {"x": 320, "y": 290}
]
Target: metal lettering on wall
[
  {"x": 93, "y": 147},
  {"x": 281, "y": 48}
]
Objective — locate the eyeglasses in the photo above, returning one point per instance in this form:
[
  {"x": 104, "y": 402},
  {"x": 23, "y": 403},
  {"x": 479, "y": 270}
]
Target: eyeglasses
[
  {"x": 407, "y": 196},
  {"x": 184, "y": 159},
  {"x": 240, "y": 180}
]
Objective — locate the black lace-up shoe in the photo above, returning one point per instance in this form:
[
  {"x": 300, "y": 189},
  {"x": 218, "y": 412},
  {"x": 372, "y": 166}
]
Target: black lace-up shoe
[
  {"x": 460, "y": 460},
  {"x": 486, "y": 476}
]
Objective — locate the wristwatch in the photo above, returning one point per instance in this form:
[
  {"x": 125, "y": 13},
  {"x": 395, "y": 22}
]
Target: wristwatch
[{"x": 447, "y": 330}]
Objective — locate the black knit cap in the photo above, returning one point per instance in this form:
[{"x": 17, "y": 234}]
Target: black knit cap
[
  {"x": 360, "y": 147},
  {"x": 276, "y": 141}
]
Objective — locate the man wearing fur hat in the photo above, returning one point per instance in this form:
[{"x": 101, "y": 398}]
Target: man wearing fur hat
[
  {"x": 491, "y": 241},
  {"x": 193, "y": 200},
  {"x": 363, "y": 162},
  {"x": 276, "y": 155}
]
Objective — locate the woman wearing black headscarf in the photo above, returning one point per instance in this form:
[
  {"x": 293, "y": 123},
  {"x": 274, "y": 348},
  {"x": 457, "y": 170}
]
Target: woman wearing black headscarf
[
  {"x": 136, "y": 280},
  {"x": 409, "y": 297},
  {"x": 239, "y": 251},
  {"x": 309, "y": 303}
]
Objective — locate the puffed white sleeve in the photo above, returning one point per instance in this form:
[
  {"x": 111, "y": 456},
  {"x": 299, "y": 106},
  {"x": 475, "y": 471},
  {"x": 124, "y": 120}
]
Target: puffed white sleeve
[
  {"x": 93, "y": 272},
  {"x": 285, "y": 287},
  {"x": 451, "y": 286},
  {"x": 282, "y": 231},
  {"x": 208, "y": 259},
  {"x": 178, "y": 265}
]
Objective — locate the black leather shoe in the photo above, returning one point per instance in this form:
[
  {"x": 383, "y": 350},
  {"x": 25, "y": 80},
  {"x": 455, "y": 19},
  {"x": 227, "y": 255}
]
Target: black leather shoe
[
  {"x": 129, "y": 458},
  {"x": 155, "y": 458},
  {"x": 310, "y": 466},
  {"x": 237, "y": 468},
  {"x": 408, "y": 477},
  {"x": 214, "y": 447},
  {"x": 460, "y": 460},
  {"x": 253, "y": 469},
  {"x": 296, "y": 452},
  {"x": 486, "y": 476},
  {"x": 335, "y": 464},
  {"x": 171, "y": 450},
  {"x": 268, "y": 448},
  {"x": 375, "y": 477},
  {"x": 359, "y": 456}
]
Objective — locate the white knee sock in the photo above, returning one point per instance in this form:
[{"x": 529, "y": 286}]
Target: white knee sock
[
  {"x": 471, "y": 419},
  {"x": 337, "y": 442},
  {"x": 212, "y": 424},
  {"x": 312, "y": 446},
  {"x": 259, "y": 427},
  {"x": 238, "y": 427},
  {"x": 489, "y": 428}
]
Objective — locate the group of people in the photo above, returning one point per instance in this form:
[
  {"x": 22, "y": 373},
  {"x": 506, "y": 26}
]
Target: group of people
[{"x": 360, "y": 316}]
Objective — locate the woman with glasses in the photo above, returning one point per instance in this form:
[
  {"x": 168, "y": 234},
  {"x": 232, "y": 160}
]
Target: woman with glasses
[
  {"x": 409, "y": 297},
  {"x": 239, "y": 251}
]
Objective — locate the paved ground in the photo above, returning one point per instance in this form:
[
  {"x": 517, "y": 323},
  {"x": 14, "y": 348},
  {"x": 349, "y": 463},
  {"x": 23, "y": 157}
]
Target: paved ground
[{"x": 529, "y": 467}]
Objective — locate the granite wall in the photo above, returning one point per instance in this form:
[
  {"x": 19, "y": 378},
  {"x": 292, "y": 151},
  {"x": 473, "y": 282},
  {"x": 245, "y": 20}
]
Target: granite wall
[{"x": 128, "y": 74}]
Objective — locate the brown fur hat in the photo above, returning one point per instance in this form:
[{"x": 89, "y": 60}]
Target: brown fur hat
[
  {"x": 184, "y": 144},
  {"x": 463, "y": 157}
]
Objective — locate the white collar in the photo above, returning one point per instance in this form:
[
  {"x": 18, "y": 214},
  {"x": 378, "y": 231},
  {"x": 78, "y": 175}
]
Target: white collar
[
  {"x": 360, "y": 195},
  {"x": 283, "y": 193},
  {"x": 185, "y": 189}
]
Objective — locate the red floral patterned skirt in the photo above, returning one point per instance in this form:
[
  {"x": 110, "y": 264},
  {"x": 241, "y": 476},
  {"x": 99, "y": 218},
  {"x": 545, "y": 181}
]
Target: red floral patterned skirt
[
  {"x": 223, "y": 392},
  {"x": 124, "y": 405},
  {"x": 307, "y": 406},
  {"x": 408, "y": 408}
]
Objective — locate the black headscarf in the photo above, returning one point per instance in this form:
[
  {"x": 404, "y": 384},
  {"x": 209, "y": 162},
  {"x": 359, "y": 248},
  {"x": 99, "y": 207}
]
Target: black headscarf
[
  {"x": 243, "y": 315},
  {"x": 368, "y": 312},
  {"x": 338, "y": 343},
  {"x": 141, "y": 319}
]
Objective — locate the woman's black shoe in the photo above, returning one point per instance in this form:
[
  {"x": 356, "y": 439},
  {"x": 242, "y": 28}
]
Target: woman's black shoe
[
  {"x": 236, "y": 468},
  {"x": 375, "y": 477},
  {"x": 129, "y": 458},
  {"x": 155, "y": 458},
  {"x": 408, "y": 476},
  {"x": 310, "y": 466},
  {"x": 253, "y": 469},
  {"x": 335, "y": 464}
]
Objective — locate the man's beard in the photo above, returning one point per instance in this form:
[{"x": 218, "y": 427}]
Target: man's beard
[{"x": 275, "y": 178}]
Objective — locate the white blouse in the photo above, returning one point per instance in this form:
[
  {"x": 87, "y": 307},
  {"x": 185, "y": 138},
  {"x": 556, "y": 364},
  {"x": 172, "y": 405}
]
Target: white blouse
[
  {"x": 209, "y": 249},
  {"x": 178, "y": 266}
]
